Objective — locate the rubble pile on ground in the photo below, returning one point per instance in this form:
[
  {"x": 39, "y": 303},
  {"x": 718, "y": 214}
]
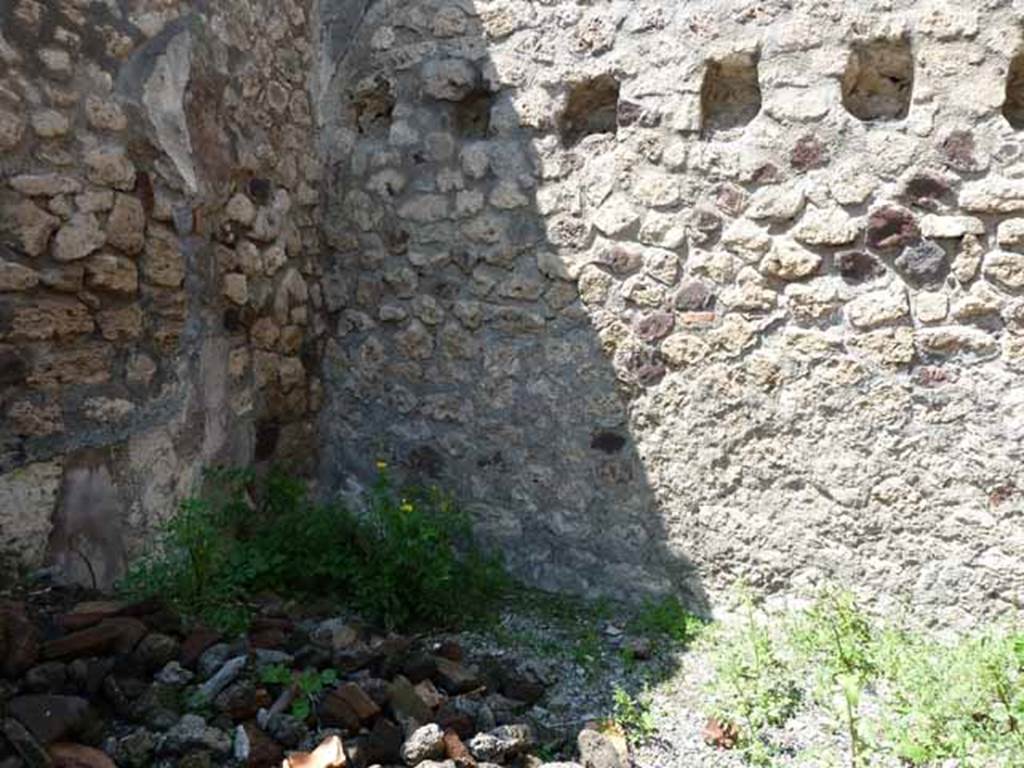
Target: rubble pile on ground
[{"x": 99, "y": 683}]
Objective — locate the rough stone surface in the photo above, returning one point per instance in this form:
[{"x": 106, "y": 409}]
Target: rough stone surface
[
  {"x": 139, "y": 167},
  {"x": 470, "y": 237},
  {"x": 766, "y": 383}
]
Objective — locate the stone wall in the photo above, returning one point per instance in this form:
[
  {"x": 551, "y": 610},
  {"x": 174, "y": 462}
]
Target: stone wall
[
  {"x": 158, "y": 208},
  {"x": 682, "y": 294},
  {"x": 672, "y": 295}
]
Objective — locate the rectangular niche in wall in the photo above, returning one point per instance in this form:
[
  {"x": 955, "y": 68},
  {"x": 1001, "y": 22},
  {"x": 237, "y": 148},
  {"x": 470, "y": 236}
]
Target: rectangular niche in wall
[
  {"x": 879, "y": 80},
  {"x": 730, "y": 96},
  {"x": 592, "y": 108},
  {"x": 1013, "y": 107},
  {"x": 473, "y": 115}
]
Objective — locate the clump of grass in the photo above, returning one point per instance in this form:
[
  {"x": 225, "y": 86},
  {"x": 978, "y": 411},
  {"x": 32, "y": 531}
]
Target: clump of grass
[
  {"x": 408, "y": 559},
  {"x": 633, "y": 716},
  {"x": 753, "y": 689},
  {"x": 893, "y": 692},
  {"x": 666, "y": 619}
]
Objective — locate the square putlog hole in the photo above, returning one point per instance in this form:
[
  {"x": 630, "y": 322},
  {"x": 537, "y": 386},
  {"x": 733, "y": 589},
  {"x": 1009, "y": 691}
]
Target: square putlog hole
[
  {"x": 592, "y": 108},
  {"x": 1013, "y": 106},
  {"x": 730, "y": 96},
  {"x": 879, "y": 80},
  {"x": 473, "y": 115}
]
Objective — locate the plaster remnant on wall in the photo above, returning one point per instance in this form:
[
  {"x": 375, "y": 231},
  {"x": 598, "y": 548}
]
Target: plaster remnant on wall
[
  {"x": 164, "y": 97},
  {"x": 28, "y": 497}
]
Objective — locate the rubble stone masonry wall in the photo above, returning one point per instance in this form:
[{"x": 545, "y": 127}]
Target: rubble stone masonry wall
[
  {"x": 670, "y": 294},
  {"x": 678, "y": 294},
  {"x": 158, "y": 197}
]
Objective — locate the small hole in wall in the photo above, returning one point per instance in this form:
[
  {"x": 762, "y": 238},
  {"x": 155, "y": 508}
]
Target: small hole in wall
[
  {"x": 372, "y": 105},
  {"x": 267, "y": 435},
  {"x": 730, "y": 96},
  {"x": 879, "y": 80},
  {"x": 592, "y": 108},
  {"x": 473, "y": 115},
  {"x": 1013, "y": 107}
]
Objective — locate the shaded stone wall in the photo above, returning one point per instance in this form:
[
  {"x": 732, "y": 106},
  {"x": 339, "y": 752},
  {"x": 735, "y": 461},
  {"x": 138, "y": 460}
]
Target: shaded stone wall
[
  {"x": 158, "y": 198},
  {"x": 671, "y": 294},
  {"x": 681, "y": 294}
]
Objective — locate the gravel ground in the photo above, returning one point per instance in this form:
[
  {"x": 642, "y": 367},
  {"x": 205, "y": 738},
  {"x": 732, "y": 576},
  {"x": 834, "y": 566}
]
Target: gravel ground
[{"x": 582, "y": 659}]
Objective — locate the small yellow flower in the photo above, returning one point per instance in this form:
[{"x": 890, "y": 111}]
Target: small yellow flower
[
  {"x": 406, "y": 507},
  {"x": 381, "y": 465}
]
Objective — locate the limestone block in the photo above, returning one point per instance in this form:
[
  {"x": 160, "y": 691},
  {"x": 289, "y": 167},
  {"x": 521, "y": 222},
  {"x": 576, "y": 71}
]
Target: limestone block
[
  {"x": 32, "y": 419},
  {"x": 240, "y": 209},
  {"x": 12, "y": 128},
  {"x": 743, "y": 236},
  {"x": 104, "y": 114},
  {"x": 110, "y": 168},
  {"x": 993, "y": 194},
  {"x": 45, "y": 184},
  {"x": 776, "y": 203},
  {"x": 951, "y": 227},
  {"x": 876, "y": 308},
  {"x": 15, "y": 277},
  {"x": 25, "y": 225},
  {"x": 48, "y": 318},
  {"x": 931, "y": 306},
  {"x": 616, "y": 217},
  {"x": 886, "y": 346},
  {"x": 95, "y": 200},
  {"x": 826, "y": 226},
  {"x": 236, "y": 288},
  {"x": 1010, "y": 232},
  {"x": 126, "y": 227},
  {"x": 109, "y": 272},
  {"x": 968, "y": 259},
  {"x": 162, "y": 262},
  {"x": 449, "y": 79},
  {"x": 1005, "y": 268},
  {"x": 78, "y": 238},
  {"x": 107, "y": 410},
  {"x": 788, "y": 260},
  {"x": 120, "y": 324},
  {"x": 968, "y": 344},
  {"x": 981, "y": 301},
  {"x": 49, "y": 124}
]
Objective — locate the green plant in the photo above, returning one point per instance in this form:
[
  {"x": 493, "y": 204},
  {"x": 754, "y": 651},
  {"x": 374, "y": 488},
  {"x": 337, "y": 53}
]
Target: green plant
[
  {"x": 309, "y": 684},
  {"x": 407, "y": 559},
  {"x": 837, "y": 639},
  {"x": 754, "y": 689},
  {"x": 666, "y": 618},
  {"x": 587, "y": 650},
  {"x": 931, "y": 699},
  {"x": 633, "y": 715},
  {"x": 960, "y": 700},
  {"x": 189, "y": 566},
  {"x": 547, "y": 752}
]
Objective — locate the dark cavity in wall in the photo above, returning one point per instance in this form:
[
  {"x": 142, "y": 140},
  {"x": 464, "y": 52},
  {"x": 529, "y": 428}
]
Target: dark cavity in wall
[
  {"x": 879, "y": 80},
  {"x": 473, "y": 115},
  {"x": 730, "y": 96},
  {"x": 592, "y": 108},
  {"x": 1013, "y": 107},
  {"x": 372, "y": 104}
]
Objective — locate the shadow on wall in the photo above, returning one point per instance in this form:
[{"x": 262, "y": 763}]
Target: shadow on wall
[{"x": 461, "y": 348}]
